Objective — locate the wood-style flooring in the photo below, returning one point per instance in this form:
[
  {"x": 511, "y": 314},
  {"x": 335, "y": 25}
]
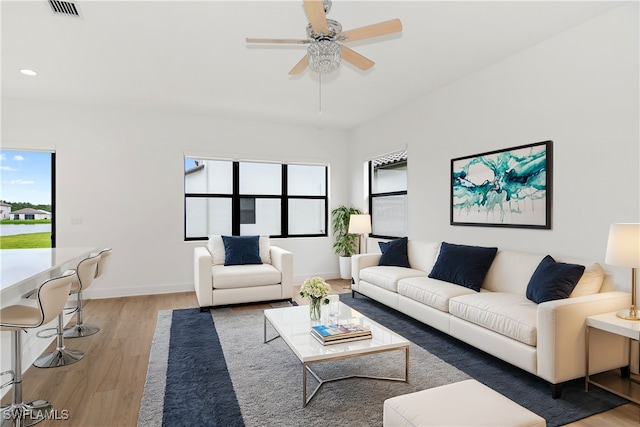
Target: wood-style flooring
[{"x": 105, "y": 388}]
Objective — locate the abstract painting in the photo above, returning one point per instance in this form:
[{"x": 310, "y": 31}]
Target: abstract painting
[{"x": 503, "y": 188}]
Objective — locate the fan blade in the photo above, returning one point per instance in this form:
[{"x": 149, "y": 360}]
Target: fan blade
[
  {"x": 300, "y": 66},
  {"x": 356, "y": 59},
  {"x": 373, "y": 30},
  {"x": 290, "y": 41},
  {"x": 317, "y": 18}
]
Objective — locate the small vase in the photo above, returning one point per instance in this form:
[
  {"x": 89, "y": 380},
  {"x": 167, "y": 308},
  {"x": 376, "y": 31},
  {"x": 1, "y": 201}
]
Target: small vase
[{"x": 314, "y": 308}]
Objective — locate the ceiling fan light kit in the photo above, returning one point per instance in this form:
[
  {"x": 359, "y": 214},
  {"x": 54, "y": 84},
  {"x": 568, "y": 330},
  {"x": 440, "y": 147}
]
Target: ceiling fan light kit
[
  {"x": 325, "y": 53},
  {"x": 324, "y": 56}
]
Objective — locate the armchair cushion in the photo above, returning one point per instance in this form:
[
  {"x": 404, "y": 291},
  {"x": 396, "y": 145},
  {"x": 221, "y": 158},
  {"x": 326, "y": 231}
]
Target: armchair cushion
[
  {"x": 240, "y": 250},
  {"x": 244, "y": 276}
]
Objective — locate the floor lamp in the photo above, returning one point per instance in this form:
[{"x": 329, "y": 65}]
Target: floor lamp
[
  {"x": 360, "y": 224},
  {"x": 623, "y": 250}
]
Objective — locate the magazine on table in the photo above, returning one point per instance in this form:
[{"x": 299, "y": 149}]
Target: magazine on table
[
  {"x": 341, "y": 332},
  {"x": 338, "y": 341}
]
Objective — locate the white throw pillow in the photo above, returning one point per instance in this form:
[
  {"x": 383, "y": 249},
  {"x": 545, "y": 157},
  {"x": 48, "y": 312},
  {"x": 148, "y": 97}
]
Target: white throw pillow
[
  {"x": 265, "y": 249},
  {"x": 590, "y": 282},
  {"x": 216, "y": 247}
]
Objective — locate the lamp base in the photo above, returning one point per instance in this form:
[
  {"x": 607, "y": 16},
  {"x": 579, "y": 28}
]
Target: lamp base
[{"x": 626, "y": 315}]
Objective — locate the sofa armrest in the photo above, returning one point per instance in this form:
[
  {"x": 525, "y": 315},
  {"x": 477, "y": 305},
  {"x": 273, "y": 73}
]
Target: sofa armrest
[
  {"x": 358, "y": 262},
  {"x": 202, "y": 277},
  {"x": 283, "y": 261},
  {"x": 561, "y": 336}
]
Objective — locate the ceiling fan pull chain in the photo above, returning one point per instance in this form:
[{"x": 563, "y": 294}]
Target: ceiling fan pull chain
[{"x": 319, "y": 93}]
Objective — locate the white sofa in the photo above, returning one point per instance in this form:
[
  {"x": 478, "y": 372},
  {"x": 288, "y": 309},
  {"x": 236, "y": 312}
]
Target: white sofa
[
  {"x": 546, "y": 339},
  {"x": 216, "y": 284}
]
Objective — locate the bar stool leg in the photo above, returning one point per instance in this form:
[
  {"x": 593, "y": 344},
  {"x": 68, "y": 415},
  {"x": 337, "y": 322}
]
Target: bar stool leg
[
  {"x": 80, "y": 329},
  {"x": 20, "y": 413},
  {"x": 61, "y": 356}
]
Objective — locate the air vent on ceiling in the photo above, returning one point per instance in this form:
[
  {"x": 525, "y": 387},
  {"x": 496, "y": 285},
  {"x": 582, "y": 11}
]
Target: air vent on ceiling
[{"x": 66, "y": 8}]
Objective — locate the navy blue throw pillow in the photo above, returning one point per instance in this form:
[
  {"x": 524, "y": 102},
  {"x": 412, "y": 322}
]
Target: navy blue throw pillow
[
  {"x": 240, "y": 250},
  {"x": 394, "y": 253},
  {"x": 463, "y": 265},
  {"x": 553, "y": 280}
]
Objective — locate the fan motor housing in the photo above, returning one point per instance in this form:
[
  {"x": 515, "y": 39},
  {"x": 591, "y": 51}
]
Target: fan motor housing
[{"x": 334, "y": 29}]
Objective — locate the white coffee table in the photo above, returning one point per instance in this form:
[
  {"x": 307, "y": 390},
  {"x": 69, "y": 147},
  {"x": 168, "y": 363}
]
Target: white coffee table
[{"x": 294, "y": 326}]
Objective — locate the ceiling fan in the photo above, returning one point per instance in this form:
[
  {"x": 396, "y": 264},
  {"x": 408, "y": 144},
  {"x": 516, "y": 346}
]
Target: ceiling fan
[{"x": 325, "y": 50}]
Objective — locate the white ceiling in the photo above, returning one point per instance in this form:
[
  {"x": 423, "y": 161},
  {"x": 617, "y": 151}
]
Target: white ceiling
[{"x": 191, "y": 56}]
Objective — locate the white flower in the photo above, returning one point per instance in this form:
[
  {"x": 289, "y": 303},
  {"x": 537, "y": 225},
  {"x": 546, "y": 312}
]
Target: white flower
[{"x": 315, "y": 287}]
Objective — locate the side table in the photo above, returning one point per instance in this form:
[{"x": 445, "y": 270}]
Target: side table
[{"x": 623, "y": 385}]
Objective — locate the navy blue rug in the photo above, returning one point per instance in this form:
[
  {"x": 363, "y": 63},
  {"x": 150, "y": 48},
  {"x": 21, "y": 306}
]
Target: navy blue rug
[
  {"x": 198, "y": 390},
  {"x": 518, "y": 385}
]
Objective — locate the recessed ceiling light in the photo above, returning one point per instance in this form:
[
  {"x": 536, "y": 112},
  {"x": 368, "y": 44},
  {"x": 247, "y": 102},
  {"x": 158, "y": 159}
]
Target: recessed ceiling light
[{"x": 28, "y": 72}]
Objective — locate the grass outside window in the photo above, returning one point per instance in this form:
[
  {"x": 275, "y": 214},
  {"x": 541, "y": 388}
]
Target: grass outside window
[{"x": 26, "y": 241}]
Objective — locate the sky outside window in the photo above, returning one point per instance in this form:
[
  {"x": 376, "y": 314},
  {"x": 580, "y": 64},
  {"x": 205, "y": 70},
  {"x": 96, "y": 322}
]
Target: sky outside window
[{"x": 25, "y": 176}]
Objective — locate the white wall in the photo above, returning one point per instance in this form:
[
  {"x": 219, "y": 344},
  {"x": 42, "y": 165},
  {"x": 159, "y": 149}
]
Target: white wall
[
  {"x": 120, "y": 183},
  {"x": 579, "y": 89},
  {"x": 120, "y": 172}
]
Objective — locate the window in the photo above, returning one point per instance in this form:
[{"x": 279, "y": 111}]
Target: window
[
  {"x": 247, "y": 210},
  {"x": 254, "y": 198},
  {"x": 388, "y": 195},
  {"x": 27, "y": 205}
]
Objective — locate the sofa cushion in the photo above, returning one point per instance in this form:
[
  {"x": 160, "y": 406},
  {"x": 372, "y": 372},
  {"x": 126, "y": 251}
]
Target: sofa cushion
[
  {"x": 394, "y": 253},
  {"x": 432, "y": 292},
  {"x": 463, "y": 265},
  {"x": 511, "y": 315},
  {"x": 243, "y": 276},
  {"x": 387, "y": 277},
  {"x": 265, "y": 249},
  {"x": 422, "y": 255},
  {"x": 240, "y": 250},
  {"x": 553, "y": 280},
  {"x": 502, "y": 277},
  {"x": 590, "y": 282}
]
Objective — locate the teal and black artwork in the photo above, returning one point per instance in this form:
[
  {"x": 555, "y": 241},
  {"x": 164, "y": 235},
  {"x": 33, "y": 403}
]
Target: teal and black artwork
[{"x": 507, "y": 187}]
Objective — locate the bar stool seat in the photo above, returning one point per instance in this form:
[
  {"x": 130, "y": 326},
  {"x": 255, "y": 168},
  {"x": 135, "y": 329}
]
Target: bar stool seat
[
  {"x": 51, "y": 298},
  {"x": 18, "y": 315}
]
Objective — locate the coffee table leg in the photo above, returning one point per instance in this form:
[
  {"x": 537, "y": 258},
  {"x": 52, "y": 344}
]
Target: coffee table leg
[
  {"x": 406, "y": 365},
  {"x": 304, "y": 385},
  {"x": 265, "y": 340}
]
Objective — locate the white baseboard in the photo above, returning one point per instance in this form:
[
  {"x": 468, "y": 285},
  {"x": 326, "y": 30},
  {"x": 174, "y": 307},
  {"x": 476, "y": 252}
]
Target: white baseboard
[
  {"x": 298, "y": 279},
  {"x": 168, "y": 288},
  {"x": 172, "y": 288}
]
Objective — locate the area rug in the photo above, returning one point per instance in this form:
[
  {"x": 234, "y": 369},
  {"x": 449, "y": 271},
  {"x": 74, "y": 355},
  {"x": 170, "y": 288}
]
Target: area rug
[{"x": 214, "y": 369}]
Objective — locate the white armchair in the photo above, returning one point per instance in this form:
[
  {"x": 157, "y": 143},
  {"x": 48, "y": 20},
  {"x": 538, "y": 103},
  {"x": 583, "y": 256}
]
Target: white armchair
[{"x": 217, "y": 284}]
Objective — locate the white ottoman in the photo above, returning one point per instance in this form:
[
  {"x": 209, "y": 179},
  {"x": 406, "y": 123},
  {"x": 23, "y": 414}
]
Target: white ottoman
[{"x": 466, "y": 403}]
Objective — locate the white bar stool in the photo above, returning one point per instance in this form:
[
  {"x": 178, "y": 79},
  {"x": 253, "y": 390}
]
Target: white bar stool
[
  {"x": 81, "y": 329},
  {"x": 85, "y": 272},
  {"x": 52, "y": 295}
]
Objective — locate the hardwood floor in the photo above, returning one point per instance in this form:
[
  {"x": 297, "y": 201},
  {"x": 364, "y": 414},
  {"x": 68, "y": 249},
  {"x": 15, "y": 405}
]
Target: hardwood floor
[{"x": 105, "y": 388}]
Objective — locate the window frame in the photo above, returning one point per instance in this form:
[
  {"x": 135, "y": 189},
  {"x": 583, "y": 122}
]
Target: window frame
[
  {"x": 284, "y": 198},
  {"x": 373, "y": 195}
]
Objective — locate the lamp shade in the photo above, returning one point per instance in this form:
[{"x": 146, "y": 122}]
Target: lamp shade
[
  {"x": 623, "y": 246},
  {"x": 360, "y": 224}
]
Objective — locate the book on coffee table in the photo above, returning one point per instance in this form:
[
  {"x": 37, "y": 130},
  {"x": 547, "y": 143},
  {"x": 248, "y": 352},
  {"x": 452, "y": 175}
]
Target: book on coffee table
[
  {"x": 339, "y": 341},
  {"x": 339, "y": 333}
]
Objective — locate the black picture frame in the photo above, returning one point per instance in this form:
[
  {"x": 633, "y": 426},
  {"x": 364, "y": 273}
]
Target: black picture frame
[{"x": 511, "y": 187}]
